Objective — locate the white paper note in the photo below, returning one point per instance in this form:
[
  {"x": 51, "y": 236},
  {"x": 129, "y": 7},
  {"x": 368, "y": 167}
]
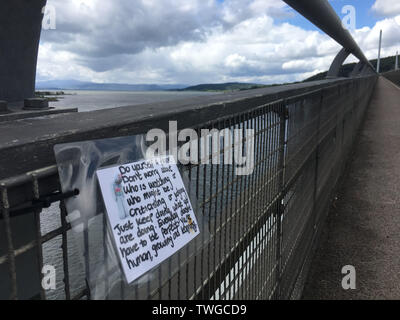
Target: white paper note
[{"x": 149, "y": 211}]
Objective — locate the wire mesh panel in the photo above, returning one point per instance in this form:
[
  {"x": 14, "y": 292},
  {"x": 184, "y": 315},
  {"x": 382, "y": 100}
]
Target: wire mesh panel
[{"x": 258, "y": 230}]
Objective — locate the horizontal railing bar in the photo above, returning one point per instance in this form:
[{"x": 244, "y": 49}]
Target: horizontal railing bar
[
  {"x": 32, "y": 244},
  {"x": 27, "y": 177},
  {"x": 22, "y": 151},
  {"x": 52, "y": 169}
]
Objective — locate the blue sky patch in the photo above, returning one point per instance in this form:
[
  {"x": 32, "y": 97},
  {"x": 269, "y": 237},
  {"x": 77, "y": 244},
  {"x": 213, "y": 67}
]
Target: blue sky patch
[{"x": 364, "y": 15}]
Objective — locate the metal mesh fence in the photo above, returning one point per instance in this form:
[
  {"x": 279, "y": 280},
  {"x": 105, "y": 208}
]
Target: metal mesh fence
[{"x": 262, "y": 227}]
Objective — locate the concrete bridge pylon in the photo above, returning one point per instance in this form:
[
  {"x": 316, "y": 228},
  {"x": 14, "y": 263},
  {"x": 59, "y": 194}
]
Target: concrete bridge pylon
[{"x": 20, "y": 28}]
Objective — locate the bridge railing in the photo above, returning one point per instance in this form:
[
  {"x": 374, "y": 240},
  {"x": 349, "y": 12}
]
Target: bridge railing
[{"x": 262, "y": 228}]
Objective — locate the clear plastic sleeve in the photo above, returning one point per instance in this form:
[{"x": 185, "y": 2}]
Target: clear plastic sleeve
[{"x": 78, "y": 164}]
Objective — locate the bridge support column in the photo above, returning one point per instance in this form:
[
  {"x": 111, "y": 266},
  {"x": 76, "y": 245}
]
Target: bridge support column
[
  {"x": 337, "y": 63},
  {"x": 21, "y": 22}
]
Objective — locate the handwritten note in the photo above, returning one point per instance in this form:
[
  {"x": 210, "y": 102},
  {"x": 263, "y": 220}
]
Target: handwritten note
[{"x": 149, "y": 211}]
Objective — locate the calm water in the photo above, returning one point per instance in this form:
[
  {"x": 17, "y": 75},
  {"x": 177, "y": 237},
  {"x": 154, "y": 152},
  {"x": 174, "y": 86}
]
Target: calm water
[{"x": 97, "y": 100}]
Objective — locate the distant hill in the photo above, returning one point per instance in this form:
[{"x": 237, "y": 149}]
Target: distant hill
[
  {"x": 81, "y": 85},
  {"x": 230, "y": 86},
  {"x": 387, "y": 64}
]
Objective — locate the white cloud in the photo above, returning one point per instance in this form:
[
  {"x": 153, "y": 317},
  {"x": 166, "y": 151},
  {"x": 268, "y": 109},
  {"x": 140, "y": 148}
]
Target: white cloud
[
  {"x": 235, "y": 61},
  {"x": 190, "y": 42},
  {"x": 386, "y": 8},
  {"x": 368, "y": 38}
]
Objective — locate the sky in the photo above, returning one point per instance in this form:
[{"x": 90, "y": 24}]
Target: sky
[{"x": 200, "y": 41}]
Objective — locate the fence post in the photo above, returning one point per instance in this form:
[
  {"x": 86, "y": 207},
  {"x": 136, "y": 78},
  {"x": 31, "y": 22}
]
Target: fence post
[
  {"x": 284, "y": 115},
  {"x": 10, "y": 247},
  {"x": 315, "y": 195}
]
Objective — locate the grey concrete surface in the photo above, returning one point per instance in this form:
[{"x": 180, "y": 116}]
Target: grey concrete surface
[
  {"x": 36, "y": 104},
  {"x": 13, "y": 114},
  {"x": 363, "y": 227},
  {"x": 21, "y": 23}
]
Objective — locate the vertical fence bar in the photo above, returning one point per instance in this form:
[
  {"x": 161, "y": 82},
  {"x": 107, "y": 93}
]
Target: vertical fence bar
[
  {"x": 226, "y": 248},
  {"x": 203, "y": 219},
  {"x": 202, "y": 228},
  {"x": 254, "y": 187},
  {"x": 253, "y": 243},
  {"x": 240, "y": 209},
  {"x": 236, "y": 212},
  {"x": 264, "y": 196},
  {"x": 221, "y": 257},
  {"x": 106, "y": 276},
  {"x": 209, "y": 267},
  {"x": 229, "y": 201},
  {"x": 10, "y": 247},
  {"x": 283, "y": 117},
  {"x": 317, "y": 156},
  {"x": 39, "y": 249},
  {"x": 269, "y": 195},
  {"x": 255, "y": 205},
  {"x": 64, "y": 247},
  {"x": 187, "y": 247},
  {"x": 216, "y": 214},
  {"x": 86, "y": 255}
]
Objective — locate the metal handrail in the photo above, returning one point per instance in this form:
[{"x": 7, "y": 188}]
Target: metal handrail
[{"x": 322, "y": 15}]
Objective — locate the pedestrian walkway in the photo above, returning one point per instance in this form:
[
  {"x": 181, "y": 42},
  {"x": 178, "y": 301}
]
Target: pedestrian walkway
[{"x": 363, "y": 227}]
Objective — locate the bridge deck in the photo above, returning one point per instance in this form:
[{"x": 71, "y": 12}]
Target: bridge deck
[{"x": 363, "y": 228}]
